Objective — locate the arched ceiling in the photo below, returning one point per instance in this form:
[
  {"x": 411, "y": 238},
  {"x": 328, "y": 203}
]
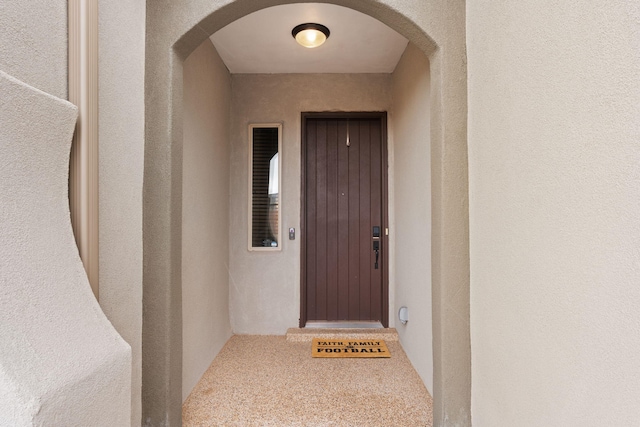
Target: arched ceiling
[{"x": 261, "y": 42}]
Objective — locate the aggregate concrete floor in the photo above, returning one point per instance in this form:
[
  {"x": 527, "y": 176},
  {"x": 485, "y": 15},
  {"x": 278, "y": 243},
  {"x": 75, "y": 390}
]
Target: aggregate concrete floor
[{"x": 272, "y": 381}]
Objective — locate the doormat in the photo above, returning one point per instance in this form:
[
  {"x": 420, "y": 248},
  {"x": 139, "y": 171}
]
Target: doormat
[{"x": 327, "y": 347}]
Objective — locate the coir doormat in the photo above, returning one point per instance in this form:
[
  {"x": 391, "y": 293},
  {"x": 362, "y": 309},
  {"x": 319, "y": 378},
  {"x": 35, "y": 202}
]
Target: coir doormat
[{"x": 325, "y": 347}]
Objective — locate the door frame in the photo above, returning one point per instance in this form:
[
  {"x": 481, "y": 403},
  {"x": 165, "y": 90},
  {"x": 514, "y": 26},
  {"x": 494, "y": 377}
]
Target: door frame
[{"x": 382, "y": 116}]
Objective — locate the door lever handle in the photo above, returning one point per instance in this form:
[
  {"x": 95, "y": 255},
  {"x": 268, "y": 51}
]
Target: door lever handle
[
  {"x": 376, "y": 243},
  {"x": 376, "y": 249}
]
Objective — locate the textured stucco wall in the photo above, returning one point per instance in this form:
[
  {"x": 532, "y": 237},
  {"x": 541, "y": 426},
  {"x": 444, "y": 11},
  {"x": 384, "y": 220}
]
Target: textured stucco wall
[
  {"x": 61, "y": 361},
  {"x": 33, "y": 43},
  {"x": 412, "y": 207},
  {"x": 33, "y": 47},
  {"x": 265, "y": 286},
  {"x": 121, "y": 44},
  {"x": 554, "y": 154},
  {"x": 205, "y": 212}
]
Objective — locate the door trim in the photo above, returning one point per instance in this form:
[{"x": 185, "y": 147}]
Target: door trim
[
  {"x": 382, "y": 116},
  {"x": 83, "y": 159}
]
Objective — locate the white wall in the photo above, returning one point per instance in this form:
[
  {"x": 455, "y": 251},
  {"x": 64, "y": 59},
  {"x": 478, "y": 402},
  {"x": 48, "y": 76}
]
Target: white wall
[
  {"x": 121, "y": 49},
  {"x": 554, "y": 154},
  {"x": 61, "y": 361},
  {"x": 33, "y": 47},
  {"x": 205, "y": 212},
  {"x": 265, "y": 287},
  {"x": 412, "y": 208},
  {"x": 33, "y": 43}
]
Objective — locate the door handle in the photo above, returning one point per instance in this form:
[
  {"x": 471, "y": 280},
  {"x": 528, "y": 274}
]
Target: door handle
[
  {"x": 376, "y": 243},
  {"x": 376, "y": 249}
]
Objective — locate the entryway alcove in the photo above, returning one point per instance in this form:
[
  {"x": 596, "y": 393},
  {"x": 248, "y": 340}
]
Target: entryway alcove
[{"x": 165, "y": 194}]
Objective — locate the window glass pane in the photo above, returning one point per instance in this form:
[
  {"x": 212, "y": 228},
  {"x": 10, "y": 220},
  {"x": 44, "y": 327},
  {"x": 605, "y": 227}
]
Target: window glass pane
[{"x": 265, "y": 194}]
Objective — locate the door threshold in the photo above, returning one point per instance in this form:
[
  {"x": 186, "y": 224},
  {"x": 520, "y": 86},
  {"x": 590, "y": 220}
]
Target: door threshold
[
  {"x": 308, "y": 334},
  {"x": 358, "y": 324}
]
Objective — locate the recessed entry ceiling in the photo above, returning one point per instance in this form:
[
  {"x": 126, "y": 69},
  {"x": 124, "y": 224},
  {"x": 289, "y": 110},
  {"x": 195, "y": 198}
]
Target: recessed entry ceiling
[{"x": 261, "y": 42}]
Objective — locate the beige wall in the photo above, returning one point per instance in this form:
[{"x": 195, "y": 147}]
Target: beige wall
[
  {"x": 205, "y": 212},
  {"x": 554, "y": 155},
  {"x": 265, "y": 287},
  {"x": 411, "y": 276},
  {"x": 33, "y": 43},
  {"x": 121, "y": 155}
]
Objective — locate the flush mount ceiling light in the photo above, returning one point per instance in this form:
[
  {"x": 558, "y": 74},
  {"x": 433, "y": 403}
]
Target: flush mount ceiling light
[{"x": 310, "y": 35}]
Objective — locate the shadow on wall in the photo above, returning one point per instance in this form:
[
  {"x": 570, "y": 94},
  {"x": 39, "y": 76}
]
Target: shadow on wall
[{"x": 205, "y": 212}]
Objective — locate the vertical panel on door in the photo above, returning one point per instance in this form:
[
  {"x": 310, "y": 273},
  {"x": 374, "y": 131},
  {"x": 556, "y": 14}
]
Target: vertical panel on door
[
  {"x": 343, "y": 221},
  {"x": 378, "y": 199},
  {"x": 332, "y": 220},
  {"x": 310, "y": 220}
]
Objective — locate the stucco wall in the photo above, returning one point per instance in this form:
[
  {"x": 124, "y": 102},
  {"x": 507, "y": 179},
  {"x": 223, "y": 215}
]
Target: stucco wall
[
  {"x": 33, "y": 47},
  {"x": 265, "y": 286},
  {"x": 412, "y": 206},
  {"x": 61, "y": 361},
  {"x": 205, "y": 212},
  {"x": 121, "y": 49},
  {"x": 33, "y": 43},
  {"x": 554, "y": 154}
]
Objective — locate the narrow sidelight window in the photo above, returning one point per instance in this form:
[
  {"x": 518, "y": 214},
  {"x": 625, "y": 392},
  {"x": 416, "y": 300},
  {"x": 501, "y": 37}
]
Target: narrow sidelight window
[{"x": 265, "y": 143}]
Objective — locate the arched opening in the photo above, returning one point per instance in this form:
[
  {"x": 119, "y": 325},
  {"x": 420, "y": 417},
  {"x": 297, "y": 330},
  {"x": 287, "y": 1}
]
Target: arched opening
[{"x": 162, "y": 331}]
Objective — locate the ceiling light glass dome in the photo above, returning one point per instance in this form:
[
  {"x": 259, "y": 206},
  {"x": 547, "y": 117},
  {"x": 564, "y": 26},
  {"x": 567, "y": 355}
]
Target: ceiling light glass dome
[{"x": 310, "y": 35}]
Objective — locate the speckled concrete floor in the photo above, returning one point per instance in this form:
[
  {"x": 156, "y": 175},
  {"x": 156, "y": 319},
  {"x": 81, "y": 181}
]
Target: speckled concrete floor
[{"x": 269, "y": 381}]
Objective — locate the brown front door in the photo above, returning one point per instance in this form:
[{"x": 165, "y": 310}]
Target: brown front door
[{"x": 343, "y": 208}]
